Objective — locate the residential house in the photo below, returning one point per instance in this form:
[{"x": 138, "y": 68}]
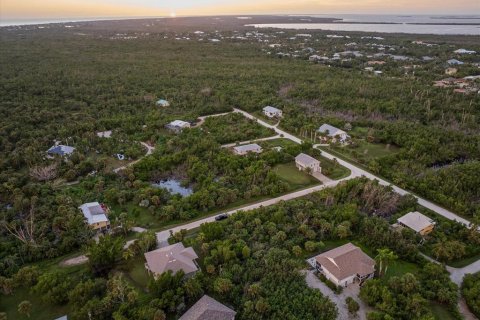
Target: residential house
[
  {"x": 376, "y": 62},
  {"x": 345, "y": 265},
  {"x": 417, "y": 222},
  {"x": 247, "y": 148},
  {"x": 163, "y": 103},
  {"x": 174, "y": 258},
  {"x": 333, "y": 132},
  {"x": 305, "y": 162},
  {"x": 451, "y": 71},
  {"x": 104, "y": 134},
  {"x": 96, "y": 215},
  {"x": 208, "y": 309},
  {"x": 454, "y": 62},
  {"x": 177, "y": 125},
  {"x": 61, "y": 150},
  {"x": 272, "y": 112},
  {"x": 464, "y": 51}
]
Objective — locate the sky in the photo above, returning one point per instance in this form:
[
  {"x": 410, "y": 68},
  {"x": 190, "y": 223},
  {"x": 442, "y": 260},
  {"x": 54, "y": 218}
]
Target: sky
[{"x": 41, "y": 9}]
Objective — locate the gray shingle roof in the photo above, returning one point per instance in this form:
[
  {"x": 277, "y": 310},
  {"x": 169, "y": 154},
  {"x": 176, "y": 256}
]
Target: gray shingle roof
[
  {"x": 305, "y": 159},
  {"x": 208, "y": 309},
  {"x": 174, "y": 257}
]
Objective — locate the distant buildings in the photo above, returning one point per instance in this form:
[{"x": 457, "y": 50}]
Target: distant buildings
[
  {"x": 247, "y": 148},
  {"x": 304, "y": 162},
  {"x": 208, "y": 309},
  {"x": 163, "y": 103},
  {"x": 96, "y": 215},
  {"x": 272, "y": 112},
  {"x": 60, "y": 150},
  {"x": 104, "y": 134},
  {"x": 451, "y": 71},
  {"x": 171, "y": 258},
  {"x": 464, "y": 51},
  {"x": 177, "y": 125},
  {"x": 333, "y": 132},
  {"x": 417, "y": 222},
  {"x": 454, "y": 62},
  {"x": 345, "y": 265}
]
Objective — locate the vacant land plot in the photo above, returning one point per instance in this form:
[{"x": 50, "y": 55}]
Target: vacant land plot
[
  {"x": 235, "y": 127},
  {"x": 364, "y": 151},
  {"x": 297, "y": 179}
]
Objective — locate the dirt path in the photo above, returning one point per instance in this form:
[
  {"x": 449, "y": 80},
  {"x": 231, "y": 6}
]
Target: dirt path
[{"x": 149, "y": 152}]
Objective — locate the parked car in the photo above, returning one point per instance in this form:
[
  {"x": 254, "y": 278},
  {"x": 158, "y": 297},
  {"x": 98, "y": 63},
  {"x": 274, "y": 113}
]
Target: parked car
[{"x": 221, "y": 217}]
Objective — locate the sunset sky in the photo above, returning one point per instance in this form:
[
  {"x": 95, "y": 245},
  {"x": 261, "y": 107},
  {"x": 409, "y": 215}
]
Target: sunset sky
[{"x": 31, "y": 9}]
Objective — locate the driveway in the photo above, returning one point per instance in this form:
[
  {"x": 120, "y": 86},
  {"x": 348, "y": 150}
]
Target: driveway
[
  {"x": 229, "y": 145},
  {"x": 149, "y": 152},
  {"x": 338, "y": 299},
  {"x": 457, "y": 274}
]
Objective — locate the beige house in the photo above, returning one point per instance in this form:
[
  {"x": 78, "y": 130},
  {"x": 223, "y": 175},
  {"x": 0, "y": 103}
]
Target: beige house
[
  {"x": 174, "y": 258},
  {"x": 247, "y": 148},
  {"x": 304, "y": 162},
  {"x": 96, "y": 215},
  {"x": 417, "y": 222},
  {"x": 208, "y": 309},
  {"x": 345, "y": 265}
]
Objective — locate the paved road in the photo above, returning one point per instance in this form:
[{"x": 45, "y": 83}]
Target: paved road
[
  {"x": 149, "y": 152},
  {"x": 338, "y": 299},
  {"x": 357, "y": 172},
  {"x": 162, "y": 236},
  {"x": 229, "y": 145},
  {"x": 457, "y": 274}
]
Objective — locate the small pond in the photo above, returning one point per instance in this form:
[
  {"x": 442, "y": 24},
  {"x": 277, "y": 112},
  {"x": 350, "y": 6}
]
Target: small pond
[{"x": 174, "y": 187}]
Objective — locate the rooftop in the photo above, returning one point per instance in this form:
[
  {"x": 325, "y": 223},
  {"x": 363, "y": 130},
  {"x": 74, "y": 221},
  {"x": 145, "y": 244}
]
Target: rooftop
[
  {"x": 61, "y": 150},
  {"x": 416, "y": 221},
  {"x": 247, "y": 147},
  {"x": 345, "y": 261},
  {"x": 174, "y": 257},
  {"x": 271, "y": 109},
  {"x": 208, "y": 309},
  {"x": 332, "y": 131},
  {"x": 305, "y": 159},
  {"x": 94, "y": 212}
]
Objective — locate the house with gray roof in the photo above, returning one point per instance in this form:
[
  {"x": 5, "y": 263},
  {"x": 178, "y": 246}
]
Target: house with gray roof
[
  {"x": 247, "y": 148},
  {"x": 96, "y": 215},
  {"x": 417, "y": 222},
  {"x": 333, "y": 132},
  {"x": 174, "y": 258},
  {"x": 304, "y": 162},
  {"x": 208, "y": 309},
  {"x": 345, "y": 265},
  {"x": 163, "y": 103},
  {"x": 61, "y": 150},
  {"x": 177, "y": 125},
  {"x": 272, "y": 112},
  {"x": 454, "y": 62}
]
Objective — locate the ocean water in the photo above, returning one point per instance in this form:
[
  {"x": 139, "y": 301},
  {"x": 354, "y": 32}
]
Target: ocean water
[{"x": 434, "y": 24}]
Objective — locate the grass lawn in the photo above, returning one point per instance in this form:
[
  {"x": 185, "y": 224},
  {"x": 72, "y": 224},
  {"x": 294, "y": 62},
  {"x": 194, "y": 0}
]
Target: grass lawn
[
  {"x": 40, "y": 310},
  {"x": 367, "y": 151},
  {"x": 332, "y": 170},
  {"x": 296, "y": 178},
  {"x": 280, "y": 142},
  {"x": 440, "y": 312},
  {"x": 138, "y": 275},
  {"x": 464, "y": 262}
]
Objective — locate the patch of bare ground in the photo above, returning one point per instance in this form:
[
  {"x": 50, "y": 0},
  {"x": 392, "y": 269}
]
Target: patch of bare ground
[{"x": 285, "y": 89}]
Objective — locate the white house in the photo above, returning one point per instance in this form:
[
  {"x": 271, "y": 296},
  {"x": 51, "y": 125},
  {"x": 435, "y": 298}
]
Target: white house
[
  {"x": 464, "y": 51},
  {"x": 104, "y": 134},
  {"x": 305, "y": 162},
  {"x": 96, "y": 215},
  {"x": 163, "y": 103},
  {"x": 178, "y": 125},
  {"x": 417, "y": 222},
  {"x": 345, "y": 265},
  {"x": 333, "y": 132},
  {"x": 247, "y": 148},
  {"x": 454, "y": 62},
  {"x": 272, "y": 112},
  {"x": 174, "y": 258}
]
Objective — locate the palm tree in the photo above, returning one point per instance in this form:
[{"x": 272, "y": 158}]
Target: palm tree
[{"x": 384, "y": 257}]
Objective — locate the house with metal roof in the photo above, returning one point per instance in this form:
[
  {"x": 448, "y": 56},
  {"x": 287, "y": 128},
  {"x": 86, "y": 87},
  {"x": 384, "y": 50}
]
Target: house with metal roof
[
  {"x": 208, "y": 309},
  {"x": 163, "y": 103},
  {"x": 272, "y": 112},
  {"x": 345, "y": 265},
  {"x": 174, "y": 258},
  {"x": 96, "y": 215},
  {"x": 247, "y": 148},
  {"x": 454, "y": 62},
  {"x": 464, "y": 51},
  {"x": 417, "y": 222},
  {"x": 61, "y": 150},
  {"x": 177, "y": 125},
  {"x": 333, "y": 132},
  {"x": 304, "y": 162}
]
